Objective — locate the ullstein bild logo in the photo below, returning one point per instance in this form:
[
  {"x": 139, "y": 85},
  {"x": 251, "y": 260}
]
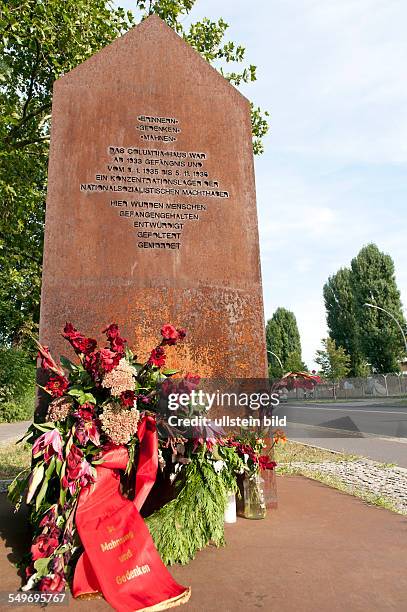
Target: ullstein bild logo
[{"x": 227, "y": 421}]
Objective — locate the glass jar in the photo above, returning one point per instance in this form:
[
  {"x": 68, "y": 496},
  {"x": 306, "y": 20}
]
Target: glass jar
[{"x": 253, "y": 503}]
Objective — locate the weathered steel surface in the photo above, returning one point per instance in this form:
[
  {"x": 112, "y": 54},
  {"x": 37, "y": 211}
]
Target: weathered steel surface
[{"x": 97, "y": 267}]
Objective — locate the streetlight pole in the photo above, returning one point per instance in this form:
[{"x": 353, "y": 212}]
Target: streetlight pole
[
  {"x": 394, "y": 319},
  {"x": 278, "y": 359}
]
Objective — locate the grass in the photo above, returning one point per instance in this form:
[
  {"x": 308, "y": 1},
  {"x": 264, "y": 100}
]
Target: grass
[
  {"x": 13, "y": 459},
  {"x": 294, "y": 451}
]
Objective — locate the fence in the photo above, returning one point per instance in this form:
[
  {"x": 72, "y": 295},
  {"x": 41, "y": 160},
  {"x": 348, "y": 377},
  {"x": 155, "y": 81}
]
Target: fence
[{"x": 377, "y": 385}]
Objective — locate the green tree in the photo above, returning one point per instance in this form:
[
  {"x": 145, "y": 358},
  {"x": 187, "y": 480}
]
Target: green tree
[
  {"x": 283, "y": 339},
  {"x": 333, "y": 361},
  {"x": 373, "y": 281},
  {"x": 41, "y": 40},
  {"x": 341, "y": 319}
]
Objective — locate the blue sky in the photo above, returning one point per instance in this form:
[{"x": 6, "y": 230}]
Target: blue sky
[{"x": 333, "y": 176}]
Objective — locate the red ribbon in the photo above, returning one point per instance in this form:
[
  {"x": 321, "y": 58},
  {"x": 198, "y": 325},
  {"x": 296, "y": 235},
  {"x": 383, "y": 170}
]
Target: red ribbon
[{"x": 120, "y": 559}]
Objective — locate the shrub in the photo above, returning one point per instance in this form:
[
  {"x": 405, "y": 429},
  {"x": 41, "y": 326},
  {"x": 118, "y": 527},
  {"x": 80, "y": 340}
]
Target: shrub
[{"x": 17, "y": 385}]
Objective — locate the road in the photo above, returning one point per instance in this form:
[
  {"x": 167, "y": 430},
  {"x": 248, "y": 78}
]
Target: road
[{"x": 373, "y": 428}]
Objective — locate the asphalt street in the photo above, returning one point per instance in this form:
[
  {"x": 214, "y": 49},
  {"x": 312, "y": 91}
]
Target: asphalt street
[{"x": 373, "y": 428}]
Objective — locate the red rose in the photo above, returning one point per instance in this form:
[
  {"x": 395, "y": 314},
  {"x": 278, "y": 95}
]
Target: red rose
[
  {"x": 127, "y": 398},
  {"x": 57, "y": 385},
  {"x": 157, "y": 357}
]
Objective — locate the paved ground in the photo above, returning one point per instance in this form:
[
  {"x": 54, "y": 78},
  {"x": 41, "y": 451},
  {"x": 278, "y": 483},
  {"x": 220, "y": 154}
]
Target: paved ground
[
  {"x": 363, "y": 477},
  {"x": 373, "y": 428},
  {"x": 321, "y": 550},
  {"x": 12, "y": 431}
]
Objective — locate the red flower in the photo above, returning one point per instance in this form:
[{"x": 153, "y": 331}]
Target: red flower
[
  {"x": 43, "y": 546},
  {"x": 117, "y": 345},
  {"x": 189, "y": 383},
  {"x": 49, "y": 444},
  {"x": 168, "y": 386},
  {"x": 115, "y": 340},
  {"x": 170, "y": 334},
  {"x": 55, "y": 584},
  {"x": 157, "y": 357},
  {"x": 47, "y": 361},
  {"x": 127, "y": 398},
  {"x": 182, "y": 333},
  {"x": 87, "y": 345},
  {"x": 265, "y": 463},
  {"x": 85, "y": 430},
  {"x": 112, "y": 331},
  {"x": 79, "y": 343},
  {"x": 91, "y": 364},
  {"x": 78, "y": 470},
  {"x": 108, "y": 359},
  {"x": 86, "y": 412},
  {"x": 57, "y": 385},
  {"x": 73, "y": 462},
  {"x": 143, "y": 399}
]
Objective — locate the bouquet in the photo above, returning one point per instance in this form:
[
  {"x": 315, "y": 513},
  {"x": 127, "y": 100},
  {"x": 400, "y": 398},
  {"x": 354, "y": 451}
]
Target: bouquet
[{"x": 99, "y": 407}]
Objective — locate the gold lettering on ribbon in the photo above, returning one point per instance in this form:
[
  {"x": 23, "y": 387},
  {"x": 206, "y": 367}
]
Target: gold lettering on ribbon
[
  {"x": 115, "y": 543},
  {"x": 133, "y": 573}
]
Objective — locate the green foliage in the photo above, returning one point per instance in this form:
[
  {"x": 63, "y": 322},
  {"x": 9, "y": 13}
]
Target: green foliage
[
  {"x": 333, "y": 361},
  {"x": 367, "y": 334},
  {"x": 283, "y": 339},
  {"x": 194, "y": 518},
  {"x": 40, "y": 41},
  {"x": 17, "y": 385},
  {"x": 374, "y": 282},
  {"x": 341, "y": 319},
  {"x": 207, "y": 37}
]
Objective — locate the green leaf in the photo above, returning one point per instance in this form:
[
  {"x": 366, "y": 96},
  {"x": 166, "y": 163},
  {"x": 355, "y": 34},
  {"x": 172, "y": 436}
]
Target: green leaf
[
  {"x": 170, "y": 372},
  {"x": 16, "y": 489},
  {"x": 44, "y": 426},
  {"x": 67, "y": 364},
  {"x": 87, "y": 398},
  {"x": 75, "y": 391},
  {"x": 43, "y": 490},
  {"x": 37, "y": 477},
  {"x": 41, "y": 565}
]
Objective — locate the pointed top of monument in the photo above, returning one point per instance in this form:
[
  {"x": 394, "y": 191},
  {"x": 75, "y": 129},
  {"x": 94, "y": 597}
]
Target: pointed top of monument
[{"x": 165, "y": 50}]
